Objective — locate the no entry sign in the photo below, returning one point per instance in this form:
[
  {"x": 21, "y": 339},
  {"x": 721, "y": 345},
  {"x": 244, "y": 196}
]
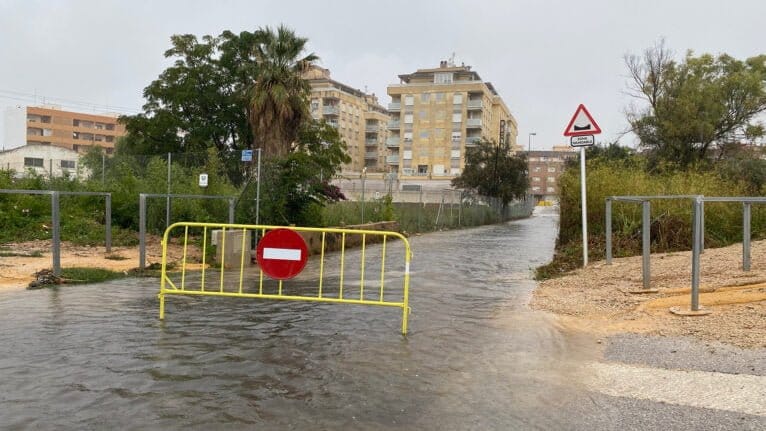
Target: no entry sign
[{"x": 282, "y": 254}]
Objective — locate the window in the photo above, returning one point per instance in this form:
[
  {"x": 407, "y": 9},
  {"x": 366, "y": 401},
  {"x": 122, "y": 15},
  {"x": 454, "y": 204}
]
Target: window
[
  {"x": 535, "y": 189},
  {"x": 456, "y": 136},
  {"x": 68, "y": 164},
  {"x": 455, "y": 154},
  {"x": 407, "y": 118},
  {"x": 423, "y": 114},
  {"x": 457, "y": 99},
  {"x": 424, "y": 134},
  {"x": 422, "y": 169},
  {"x": 439, "y": 133},
  {"x": 443, "y": 78},
  {"x": 425, "y": 97},
  {"x": 457, "y": 118},
  {"x": 535, "y": 179},
  {"x": 551, "y": 179},
  {"x": 551, "y": 169},
  {"x": 551, "y": 190},
  {"x": 407, "y": 155},
  {"x": 536, "y": 169},
  {"x": 409, "y": 100},
  {"x": 33, "y": 162},
  {"x": 407, "y": 136},
  {"x": 439, "y": 97}
]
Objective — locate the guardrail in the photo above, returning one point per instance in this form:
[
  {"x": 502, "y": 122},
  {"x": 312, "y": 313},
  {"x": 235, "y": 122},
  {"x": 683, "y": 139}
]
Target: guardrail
[{"x": 698, "y": 233}]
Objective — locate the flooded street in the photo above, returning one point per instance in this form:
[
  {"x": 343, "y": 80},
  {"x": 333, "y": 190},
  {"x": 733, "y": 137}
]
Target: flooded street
[{"x": 97, "y": 357}]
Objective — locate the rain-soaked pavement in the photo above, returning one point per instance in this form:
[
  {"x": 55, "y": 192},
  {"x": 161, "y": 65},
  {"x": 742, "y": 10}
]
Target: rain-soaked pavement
[{"x": 97, "y": 357}]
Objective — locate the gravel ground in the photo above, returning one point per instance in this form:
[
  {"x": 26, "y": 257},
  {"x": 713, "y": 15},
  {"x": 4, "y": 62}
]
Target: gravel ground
[{"x": 598, "y": 298}]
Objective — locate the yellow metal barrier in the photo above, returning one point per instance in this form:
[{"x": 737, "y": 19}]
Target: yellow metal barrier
[{"x": 192, "y": 279}]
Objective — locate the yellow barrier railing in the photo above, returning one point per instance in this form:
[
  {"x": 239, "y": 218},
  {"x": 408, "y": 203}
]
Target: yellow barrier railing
[{"x": 310, "y": 285}]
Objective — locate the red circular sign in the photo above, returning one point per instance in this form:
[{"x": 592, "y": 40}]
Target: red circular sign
[{"x": 282, "y": 254}]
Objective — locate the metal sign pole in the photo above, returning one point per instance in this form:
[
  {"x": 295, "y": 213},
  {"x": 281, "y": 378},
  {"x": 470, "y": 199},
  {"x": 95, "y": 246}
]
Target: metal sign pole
[
  {"x": 258, "y": 190},
  {"x": 584, "y": 205}
]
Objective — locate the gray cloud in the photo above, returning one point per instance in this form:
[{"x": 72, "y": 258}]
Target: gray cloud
[{"x": 545, "y": 57}]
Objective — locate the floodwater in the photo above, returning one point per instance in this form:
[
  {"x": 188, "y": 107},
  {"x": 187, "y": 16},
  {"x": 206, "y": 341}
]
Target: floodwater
[{"x": 97, "y": 357}]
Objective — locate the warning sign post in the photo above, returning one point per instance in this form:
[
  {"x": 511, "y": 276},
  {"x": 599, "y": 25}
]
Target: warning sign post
[{"x": 581, "y": 129}]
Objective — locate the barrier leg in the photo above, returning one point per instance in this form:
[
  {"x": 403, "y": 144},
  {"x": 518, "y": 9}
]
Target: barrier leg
[
  {"x": 405, "y": 311},
  {"x": 162, "y": 305}
]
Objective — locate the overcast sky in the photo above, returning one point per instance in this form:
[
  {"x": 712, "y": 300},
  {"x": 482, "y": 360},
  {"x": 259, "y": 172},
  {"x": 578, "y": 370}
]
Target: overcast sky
[{"x": 544, "y": 57}]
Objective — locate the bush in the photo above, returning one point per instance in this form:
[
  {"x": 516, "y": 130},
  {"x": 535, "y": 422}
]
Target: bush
[{"x": 671, "y": 224}]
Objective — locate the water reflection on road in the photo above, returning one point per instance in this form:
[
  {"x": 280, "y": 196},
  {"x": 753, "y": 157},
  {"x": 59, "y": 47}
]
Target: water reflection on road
[{"x": 476, "y": 358}]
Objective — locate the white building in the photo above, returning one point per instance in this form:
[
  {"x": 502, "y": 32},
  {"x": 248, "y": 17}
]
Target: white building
[
  {"x": 15, "y": 133},
  {"x": 46, "y": 160}
]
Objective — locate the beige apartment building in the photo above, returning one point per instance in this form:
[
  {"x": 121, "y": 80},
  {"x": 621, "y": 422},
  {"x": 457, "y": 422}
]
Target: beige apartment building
[
  {"x": 358, "y": 116},
  {"x": 436, "y": 114},
  {"x": 49, "y": 125}
]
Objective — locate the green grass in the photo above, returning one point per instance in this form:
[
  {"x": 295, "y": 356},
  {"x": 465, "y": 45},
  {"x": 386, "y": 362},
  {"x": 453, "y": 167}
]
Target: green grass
[{"x": 89, "y": 275}]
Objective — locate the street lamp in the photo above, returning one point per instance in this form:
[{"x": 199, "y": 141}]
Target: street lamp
[{"x": 529, "y": 148}]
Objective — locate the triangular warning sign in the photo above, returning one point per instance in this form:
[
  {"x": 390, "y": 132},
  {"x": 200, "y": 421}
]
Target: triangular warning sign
[{"x": 582, "y": 123}]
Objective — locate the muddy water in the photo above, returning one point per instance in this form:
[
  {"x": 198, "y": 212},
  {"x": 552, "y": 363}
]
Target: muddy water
[{"x": 97, "y": 357}]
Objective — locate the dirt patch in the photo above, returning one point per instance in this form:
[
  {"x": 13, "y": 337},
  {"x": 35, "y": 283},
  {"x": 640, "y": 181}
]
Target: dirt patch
[
  {"x": 18, "y": 271},
  {"x": 598, "y": 298}
]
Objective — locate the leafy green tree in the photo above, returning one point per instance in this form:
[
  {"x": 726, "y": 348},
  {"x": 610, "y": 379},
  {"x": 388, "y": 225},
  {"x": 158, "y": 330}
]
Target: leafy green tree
[
  {"x": 693, "y": 108},
  {"x": 492, "y": 171},
  {"x": 279, "y": 97},
  {"x": 197, "y": 102},
  {"x": 297, "y": 185},
  {"x": 232, "y": 92}
]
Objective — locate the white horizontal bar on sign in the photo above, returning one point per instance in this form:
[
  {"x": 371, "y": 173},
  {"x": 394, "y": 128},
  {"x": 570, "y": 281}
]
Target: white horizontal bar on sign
[{"x": 282, "y": 253}]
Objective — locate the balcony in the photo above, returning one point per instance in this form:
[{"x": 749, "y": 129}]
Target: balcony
[
  {"x": 473, "y": 123},
  {"x": 372, "y": 128},
  {"x": 371, "y": 142},
  {"x": 333, "y": 124},
  {"x": 330, "y": 110},
  {"x": 371, "y": 155},
  {"x": 394, "y": 125},
  {"x": 474, "y": 104},
  {"x": 392, "y": 142},
  {"x": 395, "y": 107},
  {"x": 392, "y": 160},
  {"x": 472, "y": 140}
]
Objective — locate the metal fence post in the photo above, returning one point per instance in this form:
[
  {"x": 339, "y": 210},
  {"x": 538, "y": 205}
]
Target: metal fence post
[
  {"x": 696, "y": 230},
  {"x": 702, "y": 226},
  {"x": 142, "y": 231},
  {"x": 646, "y": 231},
  {"x": 608, "y": 231},
  {"x": 746, "y": 236},
  {"x": 231, "y": 211},
  {"x": 167, "y": 201},
  {"x": 56, "y": 221},
  {"x": 108, "y": 222}
]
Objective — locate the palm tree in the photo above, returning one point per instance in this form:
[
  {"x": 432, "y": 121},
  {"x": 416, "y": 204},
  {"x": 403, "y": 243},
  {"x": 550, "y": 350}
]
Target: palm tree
[{"x": 279, "y": 97}]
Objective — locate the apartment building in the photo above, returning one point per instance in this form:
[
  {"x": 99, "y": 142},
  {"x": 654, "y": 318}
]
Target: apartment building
[
  {"x": 358, "y": 116},
  {"x": 545, "y": 167},
  {"x": 436, "y": 114},
  {"x": 50, "y": 125}
]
